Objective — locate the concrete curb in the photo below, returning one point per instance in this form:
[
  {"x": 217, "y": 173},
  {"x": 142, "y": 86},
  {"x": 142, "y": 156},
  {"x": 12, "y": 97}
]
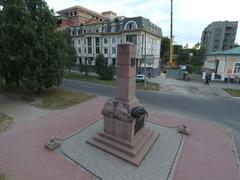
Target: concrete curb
[{"x": 229, "y": 130}]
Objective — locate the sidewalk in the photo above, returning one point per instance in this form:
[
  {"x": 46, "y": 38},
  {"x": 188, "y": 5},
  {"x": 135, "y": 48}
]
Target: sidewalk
[
  {"x": 206, "y": 154},
  {"x": 170, "y": 85}
]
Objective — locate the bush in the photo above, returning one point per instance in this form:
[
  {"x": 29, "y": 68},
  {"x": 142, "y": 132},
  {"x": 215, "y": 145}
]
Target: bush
[
  {"x": 102, "y": 69},
  {"x": 84, "y": 68}
]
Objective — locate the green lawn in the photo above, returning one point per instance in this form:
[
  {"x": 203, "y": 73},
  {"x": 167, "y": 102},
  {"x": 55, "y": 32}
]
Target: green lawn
[
  {"x": 233, "y": 92},
  {"x": 95, "y": 79},
  {"x": 3, "y": 176},
  {"x": 58, "y": 98}
]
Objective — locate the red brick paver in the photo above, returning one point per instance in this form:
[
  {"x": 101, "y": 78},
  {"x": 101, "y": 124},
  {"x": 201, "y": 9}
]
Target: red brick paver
[
  {"x": 22, "y": 152},
  {"x": 207, "y": 153}
]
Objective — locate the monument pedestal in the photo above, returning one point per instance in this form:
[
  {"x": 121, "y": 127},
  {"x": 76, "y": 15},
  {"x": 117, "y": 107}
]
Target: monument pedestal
[
  {"x": 131, "y": 151},
  {"x": 124, "y": 134}
]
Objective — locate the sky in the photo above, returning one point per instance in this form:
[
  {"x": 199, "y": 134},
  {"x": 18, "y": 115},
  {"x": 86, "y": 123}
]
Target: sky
[{"x": 190, "y": 17}]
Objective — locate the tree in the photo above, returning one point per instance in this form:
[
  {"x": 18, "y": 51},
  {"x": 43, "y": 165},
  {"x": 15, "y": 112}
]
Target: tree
[
  {"x": 84, "y": 68},
  {"x": 32, "y": 50},
  {"x": 165, "y": 49},
  {"x": 102, "y": 69},
  {"x": 69, "y": 49},
  {"x": 15, "y": 28}
]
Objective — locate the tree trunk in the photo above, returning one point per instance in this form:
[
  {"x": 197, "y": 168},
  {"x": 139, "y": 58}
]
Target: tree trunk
[
  {"x": 17, "y": 81},
  {"x": 39, "y": 91}
]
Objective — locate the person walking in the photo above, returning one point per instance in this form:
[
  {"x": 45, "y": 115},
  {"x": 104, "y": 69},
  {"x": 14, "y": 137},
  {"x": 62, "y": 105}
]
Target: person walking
[{"x": 207, "y": 78}]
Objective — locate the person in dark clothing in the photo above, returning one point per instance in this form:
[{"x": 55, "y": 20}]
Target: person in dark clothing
[{"x": 207, "y": 79}]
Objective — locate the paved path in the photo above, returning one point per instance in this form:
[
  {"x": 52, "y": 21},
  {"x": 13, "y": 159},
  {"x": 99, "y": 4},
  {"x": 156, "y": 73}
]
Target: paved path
[
  {"x": 207, "y": 153},
  {"x": 19, "y": 110},
  {"x": 191, "y": 87}
]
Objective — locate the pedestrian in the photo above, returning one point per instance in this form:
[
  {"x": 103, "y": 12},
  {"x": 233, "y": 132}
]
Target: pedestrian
[
  {"x": 207, "y": 78},
  {"x": 149, "y": 75}
]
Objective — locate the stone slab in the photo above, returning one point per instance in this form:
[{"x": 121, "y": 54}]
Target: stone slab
[{"x": 156, "y": 164}]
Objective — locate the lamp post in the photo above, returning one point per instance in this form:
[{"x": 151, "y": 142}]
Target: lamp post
[{"x": 171, "y": 36}]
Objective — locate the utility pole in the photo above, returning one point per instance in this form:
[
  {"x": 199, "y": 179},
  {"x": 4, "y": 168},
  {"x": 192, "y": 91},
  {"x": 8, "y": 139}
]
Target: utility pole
[
  {"x": 145, "y": 71},
  {"x": 171, "y": 36}
]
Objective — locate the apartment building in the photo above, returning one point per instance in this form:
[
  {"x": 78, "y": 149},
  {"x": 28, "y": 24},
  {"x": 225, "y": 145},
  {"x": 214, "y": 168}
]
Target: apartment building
[
  {"x": 96, "y": 36},
  {"x": 219, "y": 36}
]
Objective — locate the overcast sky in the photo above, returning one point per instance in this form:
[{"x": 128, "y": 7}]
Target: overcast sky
[{"x": 190, "y": 17}]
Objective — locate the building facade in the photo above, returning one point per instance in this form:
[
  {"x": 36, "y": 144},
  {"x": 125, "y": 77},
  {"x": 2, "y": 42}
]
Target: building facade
[
  {"x": 219, "y": 36},
  {"x": 95, "y": 37},
  {"x": 226, "y": 64}
]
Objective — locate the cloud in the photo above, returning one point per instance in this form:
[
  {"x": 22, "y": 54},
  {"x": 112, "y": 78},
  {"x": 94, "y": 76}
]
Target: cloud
[{"x": 189, "y": 17}]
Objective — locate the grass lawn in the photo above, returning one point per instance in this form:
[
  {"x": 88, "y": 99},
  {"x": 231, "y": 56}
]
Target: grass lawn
[
  {"x": 3, "y": 176},
  {"x": 95, "y": 79},
  {"x": 233, "y": 92},
  {"x": 58, "y": 98}
]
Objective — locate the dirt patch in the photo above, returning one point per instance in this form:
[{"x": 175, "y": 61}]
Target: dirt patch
[{"x": 5, "y": 122}]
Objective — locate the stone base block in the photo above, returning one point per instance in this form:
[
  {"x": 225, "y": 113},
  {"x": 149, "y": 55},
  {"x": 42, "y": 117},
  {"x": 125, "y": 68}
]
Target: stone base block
[{"x": 131, "y": 151}]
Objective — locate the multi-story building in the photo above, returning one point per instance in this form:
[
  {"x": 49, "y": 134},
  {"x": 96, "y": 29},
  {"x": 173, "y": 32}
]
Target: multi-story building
[
  {"x": 77, "y": 15},
  {"x": 219, "y": 36},
  {"x": 91, "y": 38}
]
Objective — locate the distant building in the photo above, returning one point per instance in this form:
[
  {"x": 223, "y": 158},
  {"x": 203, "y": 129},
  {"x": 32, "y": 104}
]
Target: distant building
[
  {"x": 102, "y": 33},
  {"x": 219, "y": 36},
  {"x": 76, "y": 16}
]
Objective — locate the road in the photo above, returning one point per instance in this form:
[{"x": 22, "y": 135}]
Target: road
[{"x": 222, "y": 110}]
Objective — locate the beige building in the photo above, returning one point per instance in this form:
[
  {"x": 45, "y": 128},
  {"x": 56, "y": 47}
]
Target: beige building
[
  {"x": 224, "y": 63},
  {"x": 93, "y": 33}
]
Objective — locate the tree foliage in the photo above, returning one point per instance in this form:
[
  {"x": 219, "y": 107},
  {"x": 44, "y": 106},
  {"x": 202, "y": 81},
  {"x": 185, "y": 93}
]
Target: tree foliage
[
  {"x": 165, "y": 45},
  {"x": 102, "y": 69},
  {"x": 33, "y": 52},
  {"x": 193, "y": 58}
]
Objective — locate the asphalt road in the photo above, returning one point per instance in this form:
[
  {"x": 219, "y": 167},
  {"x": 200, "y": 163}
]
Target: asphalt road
[{"x": 222, "y": 110}]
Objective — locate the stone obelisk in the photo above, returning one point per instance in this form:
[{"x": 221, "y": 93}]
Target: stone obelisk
[{"x": 124, "y": 134}]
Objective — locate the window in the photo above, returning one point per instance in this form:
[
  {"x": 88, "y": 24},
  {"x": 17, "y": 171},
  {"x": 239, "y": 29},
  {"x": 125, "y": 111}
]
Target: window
[
  {"x": 105, "y": 50},
  {"x": 97, "y": 41},
  {"x": 71, "y": 14},
  {"x": 79, "y": 50},
  {"x": 236, "y": 68},
  {"x": 73, "y": 32},
  {"x": 73, "y": 42},
  {"x": 89, "y": 41},
  {"x": 113, "y": 61},
  {"x": 113, "y": 29},
  {"x": 104, "y": 28},
  {"x": 131, "y": 38},
  {"x": 97, "y": 50},
  {"x": 130, "y": 25},
  {"x": 85, "y": 41},
  {"x": 105, "y": 40},
  {"x": 79, "y": 41},
  {"x": 85, "y": 50},
  {"x": 75, "y": 13},
  {"x": 113, "y": 40},
  {"x": 113, "y": 50},
  {"x": 89, "y": 50}
]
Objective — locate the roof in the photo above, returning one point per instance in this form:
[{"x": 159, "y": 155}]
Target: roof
[
  {"x": 109, "y": 12},
  {"x": 233, "y": 52},
  {"x": 79, "y": 7}
]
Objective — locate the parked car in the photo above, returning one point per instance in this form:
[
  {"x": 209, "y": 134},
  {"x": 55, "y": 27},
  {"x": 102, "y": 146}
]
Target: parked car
[{"x": 140, "y": 77}]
